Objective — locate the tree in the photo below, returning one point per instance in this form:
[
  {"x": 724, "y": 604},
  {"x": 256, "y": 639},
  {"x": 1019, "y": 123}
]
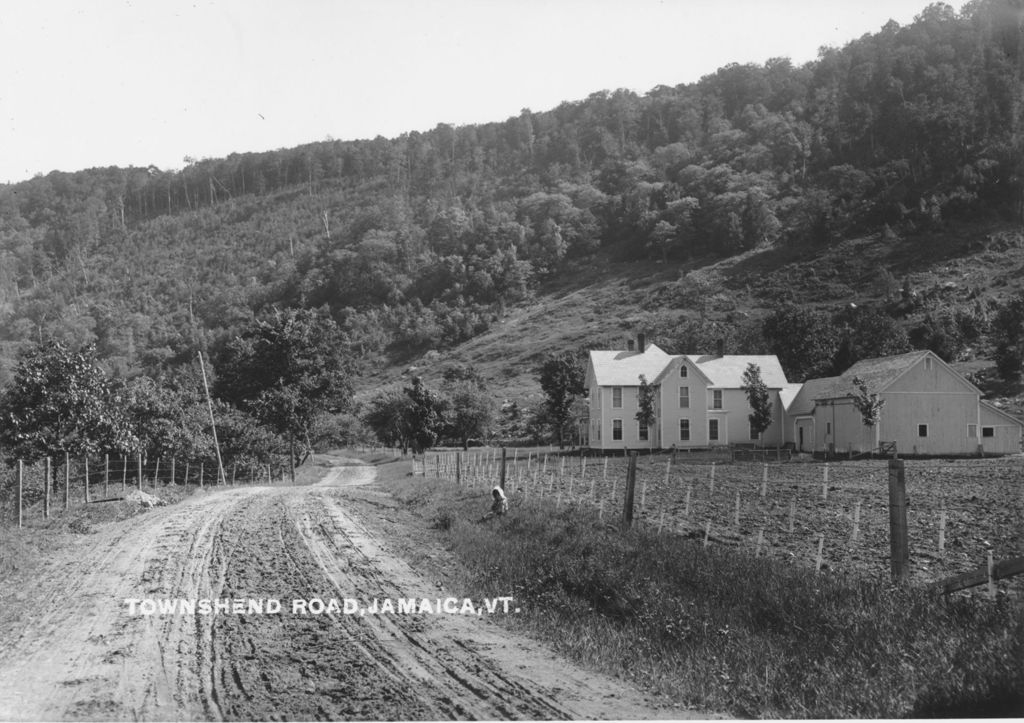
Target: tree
[
  {"x": 386, "y": 416},
  {"x": 867, "y": 334},
  {"x": 424, "y": 415},
  {"x": 1008, "y": 337},
  {"x": 645, "y": 408},
  {"x": 758, "y": 398},
  {"x": 61, "y": 401},
  {"x": 561, "y": 380},
  {"x": 804, "y": 341},
  {"x": 287, "y": 370},
  {"x": 869, "y": 406},
  {"x": 470, "y": 411}
]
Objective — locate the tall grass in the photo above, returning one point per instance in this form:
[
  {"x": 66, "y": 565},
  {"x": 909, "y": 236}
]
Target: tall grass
[{"x": 721, "y": 630}]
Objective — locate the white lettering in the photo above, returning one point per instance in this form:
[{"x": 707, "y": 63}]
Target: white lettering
[
  {"x": 273, "y": 606},
  {"x": 316, "y": 606},
  {"x": 388, "y": 606},
  {"x": 450, "y": 605},
  {"x": 491, "y": 604},
  {"x": 147, "y": 607},
  {"x": 221, "y": 606},
  {"x": 297, "y": 606},
  {"x": 333, "y": 606},
  {"x": 351, "y": 606},
  {"x": 131, "y": 603},
  {"x": 406, "y": 605},
  {"x": 425, "y": 607},
  {"x": 468, "y": 608}
]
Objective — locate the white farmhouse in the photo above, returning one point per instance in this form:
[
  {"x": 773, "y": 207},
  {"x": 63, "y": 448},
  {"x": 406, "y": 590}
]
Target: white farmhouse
[
  {"x": 699, "y": 402},
  {"x": 698, "y": 399}
]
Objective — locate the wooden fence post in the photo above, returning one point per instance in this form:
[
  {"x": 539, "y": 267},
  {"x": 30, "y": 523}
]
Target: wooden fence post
[
  {"x": 942, "y": 530},
  {"x": 202, "y": 466},
  {"x": 898, "y": 543},
  {"x": 458, "y": 468},
  {"x": 627, "y": 507},
  {"x": 503, "y": 463},
  {"x": 156, "y": 473},
  {"x": 173, "y": 478},
  {"x": 106, "y": 475},
  {"x": 46, "y": 491},
  {"x": 234, "y": 468},
  {"x": 138, "y": 481},
  {"x": 87, "y": 478},
  {"x": 124, "y": 475}
]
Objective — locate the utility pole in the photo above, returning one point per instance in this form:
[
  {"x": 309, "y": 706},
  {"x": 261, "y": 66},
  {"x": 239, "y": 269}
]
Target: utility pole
[{"x": 213, "y": 424}]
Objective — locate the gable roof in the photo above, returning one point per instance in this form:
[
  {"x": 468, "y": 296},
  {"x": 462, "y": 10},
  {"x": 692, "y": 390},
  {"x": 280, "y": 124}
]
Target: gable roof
[
  {"x": 877, "y": 374},
  {"x": 623, "y": 368},
  {"x": 881, "y": 372},
  {"x": 1001, "y": 413},
  {"x": 823, "y": 388},
  {"x": 788, "y": 394},
  {"x": 727, "y": 371}
]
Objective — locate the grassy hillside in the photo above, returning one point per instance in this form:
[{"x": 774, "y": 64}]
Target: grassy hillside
[{"x": 602, "y": 302}]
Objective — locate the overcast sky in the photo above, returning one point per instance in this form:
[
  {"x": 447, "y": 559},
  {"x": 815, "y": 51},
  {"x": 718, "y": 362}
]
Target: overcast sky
[{"x": 87, "y": 83}]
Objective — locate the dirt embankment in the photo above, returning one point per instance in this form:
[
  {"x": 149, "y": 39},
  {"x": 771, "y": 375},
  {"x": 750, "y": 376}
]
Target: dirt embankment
[{"x": 70, "y": 649}]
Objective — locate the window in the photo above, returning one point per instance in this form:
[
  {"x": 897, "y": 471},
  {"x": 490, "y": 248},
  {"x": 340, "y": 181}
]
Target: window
[
  {"x": 617, "y": 430},
  {"x": 712, "y": 430},
  {"x": 684, "y": 397},
  {"x": 988, "y": 431},
  {"x": 754, "y": 434},
  {"x": 641, "y": 432},
  {"x": 684, "y": 371},
  {"x": 616, "y": 397},
  {"x": 928, "y": 363},
  {"x": 684, "y": 430},
  {"x": 972, "y": 431},
  {"x": 716, "y": 398},
  {"x": 922, "y": 430},
  {"x": 828, "y": 427}
]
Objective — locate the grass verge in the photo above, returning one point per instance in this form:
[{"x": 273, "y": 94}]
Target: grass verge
[{"x": 719, "y": 630}]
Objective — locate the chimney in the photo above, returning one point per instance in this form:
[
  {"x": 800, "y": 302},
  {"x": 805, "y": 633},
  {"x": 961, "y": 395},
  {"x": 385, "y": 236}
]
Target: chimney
[
  {"x": 641, "y": 343},
  {"x": 630, "y": 345},
  {"x": 721, "y": 347}
]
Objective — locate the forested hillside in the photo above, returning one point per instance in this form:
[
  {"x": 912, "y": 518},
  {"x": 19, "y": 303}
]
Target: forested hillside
[{"x": 425, "y": 241}]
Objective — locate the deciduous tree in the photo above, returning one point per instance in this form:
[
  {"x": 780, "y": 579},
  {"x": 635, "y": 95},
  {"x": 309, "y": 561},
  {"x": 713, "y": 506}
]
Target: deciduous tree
[
  {"x": 61, "y": 401},
  {"x": 758, "y": 398},
  {"x": 561, "y": 379}
]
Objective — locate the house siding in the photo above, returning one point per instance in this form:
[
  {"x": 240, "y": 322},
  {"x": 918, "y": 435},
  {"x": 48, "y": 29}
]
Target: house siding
[{"x": 1006, "y": 437}]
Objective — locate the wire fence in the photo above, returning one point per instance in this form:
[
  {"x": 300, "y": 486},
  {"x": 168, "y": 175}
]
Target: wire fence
[
  {"x": 43, "y": 487},
  {"x": 832, "y": 515}
]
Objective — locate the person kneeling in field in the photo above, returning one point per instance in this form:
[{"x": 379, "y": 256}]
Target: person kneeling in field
[{"x": 499, "y": 504}]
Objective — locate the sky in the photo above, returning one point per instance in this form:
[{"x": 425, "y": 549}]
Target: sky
[{"x": 87, "y": 83}]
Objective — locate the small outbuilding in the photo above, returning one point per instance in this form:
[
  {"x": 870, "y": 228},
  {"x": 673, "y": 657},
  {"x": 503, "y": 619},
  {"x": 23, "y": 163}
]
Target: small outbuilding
[{"x": 927, "y": 408}]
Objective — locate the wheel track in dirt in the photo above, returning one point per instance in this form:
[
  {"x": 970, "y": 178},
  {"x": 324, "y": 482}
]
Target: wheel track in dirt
[{"x": 82, "y": 656}]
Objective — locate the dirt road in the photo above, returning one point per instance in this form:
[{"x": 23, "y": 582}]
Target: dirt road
[{"x": 71, "y": 649}]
